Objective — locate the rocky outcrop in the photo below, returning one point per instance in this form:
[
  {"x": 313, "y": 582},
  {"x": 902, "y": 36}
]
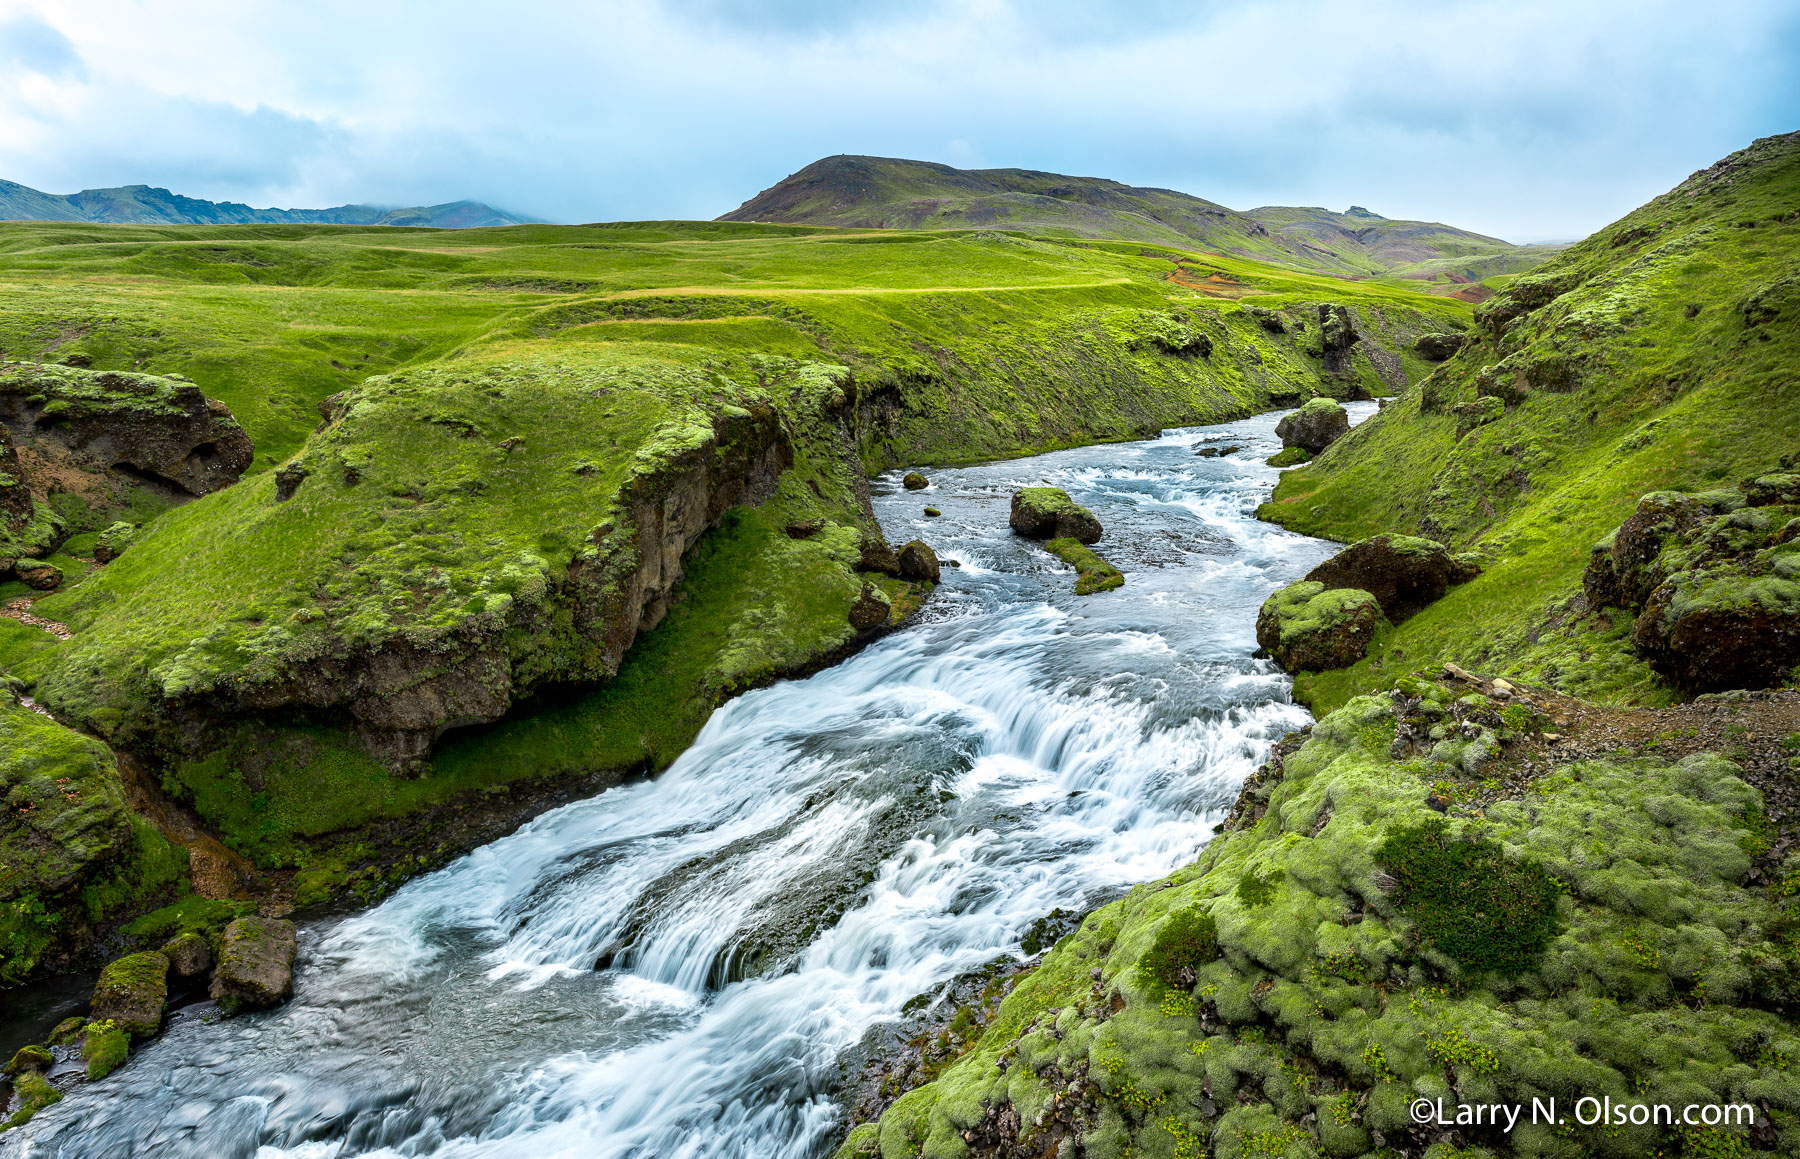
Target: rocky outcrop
[
  {"x": 1337, "y": 334},
  {"x": 1307, "y": 627},
  {"x": 1402, "y": 572},
  {"x": 1315, "y": 426},
  {"x": 1049, "y": 513},
  {"x": 1715, "y": 580},
  {"x": 919, "y": 562},
  {"x": 256, "y": 963},
  {"x": 147, "y": 428},
  {"x": 1438, "y": 347},
  {"x": 131, "y": 993}
]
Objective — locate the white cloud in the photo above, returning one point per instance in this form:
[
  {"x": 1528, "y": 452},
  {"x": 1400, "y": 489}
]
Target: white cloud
[{"x": 1520, "y": 118}]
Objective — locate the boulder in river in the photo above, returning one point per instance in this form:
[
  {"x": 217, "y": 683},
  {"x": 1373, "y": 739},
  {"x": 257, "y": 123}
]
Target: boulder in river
[
  {"x": 918, "y": 562},
  {"x": 188, "y": 954},
  {"x": 1402, "y": 572},
  {"x": 1049, "y": 513},
  {"x": 915, "y": 481},
  {"x": 131, "y": 993},
  {"x": 1308, "y": 627},
  {"x": 1315, "y": 426},
  {"x": 29, "y": 1058},
  {"x": 256, "y": 963}
]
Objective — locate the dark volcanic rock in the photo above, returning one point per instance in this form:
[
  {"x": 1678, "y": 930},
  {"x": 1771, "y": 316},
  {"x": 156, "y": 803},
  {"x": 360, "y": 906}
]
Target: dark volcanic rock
[
  {"x": 151, "y": 428},
  {"x": 256, "y": 963},
  {"x": 1049, "y": 513},
  {"x": 1403, "y": 573},
  {"x": 131, "y": 993},
  {"x": 1438, "y": 347},
  {"x": 1307, "y": 627},
  {"x": 1315, "y": 426},
  {"x": 876, "y": 555},
  {"x": 918, "y": 562},
  {"x": 1337, "y": 335}
]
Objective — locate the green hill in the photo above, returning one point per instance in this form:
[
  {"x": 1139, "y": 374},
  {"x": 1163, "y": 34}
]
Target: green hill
[
  {"x": 149, "y": 205},
  {"x": 889, "y": 193}
]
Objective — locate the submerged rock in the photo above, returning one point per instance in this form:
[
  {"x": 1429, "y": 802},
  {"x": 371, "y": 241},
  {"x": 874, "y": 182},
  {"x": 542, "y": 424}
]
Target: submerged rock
[
  {"x": 1402, "y": 572},
  {"x": 918, "y": 562},
  {"x": 1307, "y": 627},
  {"x": 256, "y": 963},
  {"x": 131, "y": 993},
  {"x": 1315, "y": 426},
  {"x": 1049, "y": 513}
]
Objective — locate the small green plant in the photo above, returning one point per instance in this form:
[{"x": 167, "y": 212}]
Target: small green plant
[
  {"x": 1257, "y": 888},
  {"x": 104, "y": 1046},
  {"x": 1188, "y": 940},
  {"x": 1642, "y": 952},
  {"x": 1469, "y": 899},
  {"x": 1376, "y": 1060}
]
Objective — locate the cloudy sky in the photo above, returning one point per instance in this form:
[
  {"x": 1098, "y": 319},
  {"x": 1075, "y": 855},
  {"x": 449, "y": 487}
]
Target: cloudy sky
[{"x": 1526, "y": 119}]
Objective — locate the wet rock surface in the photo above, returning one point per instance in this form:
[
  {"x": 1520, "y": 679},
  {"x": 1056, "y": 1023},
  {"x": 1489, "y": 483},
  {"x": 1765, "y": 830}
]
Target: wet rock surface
[
  {"x": 919, "y": 562},
  {"x": 256, "y": 961},
  {"x": 131, "y": 993},
  {"x": 1049, "y": 513},
  {"x": 1404, "y": 573},
  {"x": 1315, "y": 426}
]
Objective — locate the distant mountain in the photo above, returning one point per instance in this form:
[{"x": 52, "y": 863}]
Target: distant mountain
[
  {"x": 148, "y": 205},
  {"x": 890, "y": 193}
]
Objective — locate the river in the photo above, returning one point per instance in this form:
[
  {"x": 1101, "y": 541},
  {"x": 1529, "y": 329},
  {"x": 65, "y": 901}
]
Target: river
[{"x": 829, "y": 848}]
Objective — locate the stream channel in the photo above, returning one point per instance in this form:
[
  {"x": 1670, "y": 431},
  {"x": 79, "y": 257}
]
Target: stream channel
[{"x": 828, "y": 849}]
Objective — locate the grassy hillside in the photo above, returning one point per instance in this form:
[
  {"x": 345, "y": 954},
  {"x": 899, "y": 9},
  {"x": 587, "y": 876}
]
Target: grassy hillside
[
  {"x": 1659, "y": 354},
  {"x": 889, "y": 193},
  {"x": 445, "y": 577}
]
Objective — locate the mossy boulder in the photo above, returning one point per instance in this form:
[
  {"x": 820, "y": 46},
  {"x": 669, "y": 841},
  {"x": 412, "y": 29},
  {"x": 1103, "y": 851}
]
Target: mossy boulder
[
  {"x": 1307, "y": 627},
  {"x": 29, "y": 1058},
  {"x": 35, "y": 573},
  {"x": 1715, "y": 582},
  {"x": 131, "y": 993},
  {"x": 918, "y": 562},
  {"x": 256, "y": 963},
  {"x": 870, "y": 609},
  {"x": 113, "y": 541},
  {"x": 1403, "y": 572},
  {"x": 913, "y": 481},
  {"x": 1315, "y": 426},
  {"x": 1049, "y": 513},
  {"x": 874, "y": 554},
  {"x": 1437, "y": 347},
  {"x": 189, "y": 955},
  {"x": 34, "y": 1093}
]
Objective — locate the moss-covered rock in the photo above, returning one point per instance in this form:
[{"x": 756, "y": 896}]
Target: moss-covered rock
[
  {"x": 1584, "y": 931},
  {"x": 870, "y": 609},
  {"x": 29, "y": 1058},
  {"x": 918, "y": 562},
  {"x": 1307, "y": 627},
  {"x": 113, "y": 541},
  {"x": 131, "y": 993},
  {"x": 189, "y": 955},
  {"x": 1404, "y": 573},
  {"x": 914, "y": 481},
  {"x": 1049, "y": 513},
  {"x": 1437, "y": 347},
  {"x": 162, "y": 428},
  {"x": 1092, "y": 573},
  {"x": 36, "y": 573},
  {"x": 256, "y": 963},
  {"x": 1315, "y": 426}
]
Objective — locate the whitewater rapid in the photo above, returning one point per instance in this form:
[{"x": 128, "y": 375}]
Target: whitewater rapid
[{"x": 828, "y": 849}]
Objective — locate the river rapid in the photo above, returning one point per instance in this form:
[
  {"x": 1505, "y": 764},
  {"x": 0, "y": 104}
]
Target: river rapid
[{"x": 829, "y": 848}]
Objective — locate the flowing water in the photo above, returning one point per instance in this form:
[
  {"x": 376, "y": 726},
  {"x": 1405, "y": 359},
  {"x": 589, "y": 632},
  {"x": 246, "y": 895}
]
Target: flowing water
[{"x": 828, "y": 849}]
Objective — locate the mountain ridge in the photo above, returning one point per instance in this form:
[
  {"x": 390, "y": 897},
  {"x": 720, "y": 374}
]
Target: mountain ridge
[
  {"x": 154, "y": 205},
  {"x": 895, "y": 193}
]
